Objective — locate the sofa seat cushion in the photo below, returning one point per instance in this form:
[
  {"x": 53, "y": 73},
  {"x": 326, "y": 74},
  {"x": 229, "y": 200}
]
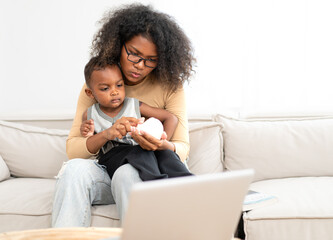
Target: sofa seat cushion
[
  {"x": 26, "y": 196},
  {"x": 106, "y": 211},
  {"x": 304, "y": 209},
  {"x": 30, "y": 199}
]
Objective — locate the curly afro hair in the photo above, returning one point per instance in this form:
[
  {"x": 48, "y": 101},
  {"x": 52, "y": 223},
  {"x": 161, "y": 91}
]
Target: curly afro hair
[{"x": 174, "y": 49}]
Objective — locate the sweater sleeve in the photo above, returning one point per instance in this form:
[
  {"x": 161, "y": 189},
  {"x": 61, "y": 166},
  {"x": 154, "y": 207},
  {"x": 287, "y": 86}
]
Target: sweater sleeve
[
  {"x": 76, "y": 146},
  {"x": 176, "y": 104}
]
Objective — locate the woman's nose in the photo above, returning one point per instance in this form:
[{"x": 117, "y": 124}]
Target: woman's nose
[{"x": 140, "y": 64}]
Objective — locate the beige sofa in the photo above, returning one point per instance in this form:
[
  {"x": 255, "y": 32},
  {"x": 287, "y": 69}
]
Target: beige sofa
[
  {"x": 292, "y": 159},
  {"x": 30, "y": 158}
]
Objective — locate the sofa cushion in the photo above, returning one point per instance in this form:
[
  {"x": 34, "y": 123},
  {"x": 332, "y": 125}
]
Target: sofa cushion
[
  {"x": 32, "y": 151},
  {"x": 26, "y": 196},
  {"x": 26, "y": 203},
  {"x": 206, "y": 154},
  {"x": 279, "y": 148},
  {"x": 304, "y": 209},
  {"x": 33, "y": 197},
  {"x": 4, "y": 171}
]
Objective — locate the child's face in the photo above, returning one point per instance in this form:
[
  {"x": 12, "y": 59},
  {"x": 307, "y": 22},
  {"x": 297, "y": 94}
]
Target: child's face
[{"x": 107, "y": 87}]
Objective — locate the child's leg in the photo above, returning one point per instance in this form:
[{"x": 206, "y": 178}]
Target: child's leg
[
  {"x": 146, "y": 164},
  {"x": 115, "y": 158},
  {"x": 170, "y": 163},
  {"x": 144, "y": 161}
]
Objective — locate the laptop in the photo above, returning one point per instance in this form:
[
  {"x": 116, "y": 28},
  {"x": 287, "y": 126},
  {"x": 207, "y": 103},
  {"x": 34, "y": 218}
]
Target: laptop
[{"x": 187, "y": 208}]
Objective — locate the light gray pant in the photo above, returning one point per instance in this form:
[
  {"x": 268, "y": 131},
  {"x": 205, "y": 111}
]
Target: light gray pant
[{"x": 82, "y": 183}]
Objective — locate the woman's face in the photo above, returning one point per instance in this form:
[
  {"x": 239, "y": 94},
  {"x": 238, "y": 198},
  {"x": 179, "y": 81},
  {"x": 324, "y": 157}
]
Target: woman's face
[{"x": 135, "y": 73}]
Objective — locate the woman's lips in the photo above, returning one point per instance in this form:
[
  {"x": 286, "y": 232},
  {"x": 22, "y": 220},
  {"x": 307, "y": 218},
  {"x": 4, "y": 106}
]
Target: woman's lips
[{"x": 135, "y": 75}]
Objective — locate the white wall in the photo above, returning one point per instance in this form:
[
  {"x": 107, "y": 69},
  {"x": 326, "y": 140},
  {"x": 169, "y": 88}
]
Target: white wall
[{"x": 253, "y": 56}]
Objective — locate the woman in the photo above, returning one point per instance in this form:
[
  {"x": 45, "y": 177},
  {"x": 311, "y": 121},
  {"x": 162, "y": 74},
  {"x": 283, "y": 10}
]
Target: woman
[{"x": 156, "y": 58}]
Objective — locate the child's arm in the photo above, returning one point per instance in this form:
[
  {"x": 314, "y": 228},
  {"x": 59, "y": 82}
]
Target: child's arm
[
  {"x": 169, "y": 120},
  {"x": 96, "y": 141},
  {"x": 87, "y": 127}
]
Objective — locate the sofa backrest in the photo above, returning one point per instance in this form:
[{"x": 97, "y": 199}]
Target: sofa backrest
[
  {"x": 206, "y": 147},
  {"x": 279, "y": 148},
  {"x": 32, "y": 151}
]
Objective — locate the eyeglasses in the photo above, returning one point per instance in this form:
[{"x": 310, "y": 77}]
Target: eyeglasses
[{"x": 132, "y": 57}]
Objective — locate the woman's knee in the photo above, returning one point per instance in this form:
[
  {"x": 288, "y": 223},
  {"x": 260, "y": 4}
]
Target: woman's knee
[
  {"x": 125, "y": 175},
  {"x": 78, "y": 170}
]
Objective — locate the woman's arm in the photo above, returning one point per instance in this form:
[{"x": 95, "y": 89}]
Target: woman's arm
[
  {"x": 174, "y": 103},
  {"x": 169, "y": 120},
  {"x": 76, "y": 144}
]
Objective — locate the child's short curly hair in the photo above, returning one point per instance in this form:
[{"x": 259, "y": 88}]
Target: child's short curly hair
[
  {"x": 175, "y": 53},
  {"x": 94, "y": 64}
]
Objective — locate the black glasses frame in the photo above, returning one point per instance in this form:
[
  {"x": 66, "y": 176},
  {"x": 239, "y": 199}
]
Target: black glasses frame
[{"x": 140, "y": 58}]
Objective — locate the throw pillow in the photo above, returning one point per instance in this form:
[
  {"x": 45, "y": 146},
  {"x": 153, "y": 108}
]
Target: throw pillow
[
  {"x": 206, "y": 155},
  {"x": 279, "y": 148}
]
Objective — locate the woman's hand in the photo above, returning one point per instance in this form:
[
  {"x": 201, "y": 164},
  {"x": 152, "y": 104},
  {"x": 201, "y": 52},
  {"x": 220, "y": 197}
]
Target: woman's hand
[{"x": 148, "y": 142}]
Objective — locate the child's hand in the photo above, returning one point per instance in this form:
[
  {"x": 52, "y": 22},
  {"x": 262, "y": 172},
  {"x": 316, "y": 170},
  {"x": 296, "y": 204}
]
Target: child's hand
[
  {"x": 152, "y": 126},
  {"x": 87, "y": 128},
  {"x": 164, "y": 136},
  {"x": 121, "y": 127}
]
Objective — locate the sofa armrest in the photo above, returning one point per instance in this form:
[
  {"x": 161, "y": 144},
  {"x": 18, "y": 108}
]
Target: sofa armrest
[{"x": 4, "y": 171}]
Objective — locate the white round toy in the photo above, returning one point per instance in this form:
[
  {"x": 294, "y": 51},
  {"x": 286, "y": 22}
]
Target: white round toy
[{"x": 152, "y": 126}]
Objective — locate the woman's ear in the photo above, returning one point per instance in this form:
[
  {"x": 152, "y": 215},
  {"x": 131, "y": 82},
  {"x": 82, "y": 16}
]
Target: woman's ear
[{"x": 89, "y": 93}]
